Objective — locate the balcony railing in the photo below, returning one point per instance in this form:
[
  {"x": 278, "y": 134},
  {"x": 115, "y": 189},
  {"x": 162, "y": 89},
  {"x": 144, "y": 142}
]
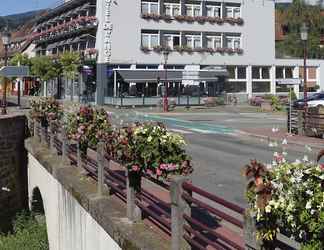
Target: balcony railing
[
  {"x": 190, "y": 50},
  {"x": 192, "y": 19},
  {"x": 79, "y": 23}
]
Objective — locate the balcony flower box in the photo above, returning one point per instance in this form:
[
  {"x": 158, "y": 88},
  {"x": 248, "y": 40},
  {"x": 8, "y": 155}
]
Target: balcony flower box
[
  {"x": 239, "y": 21},
  {"x": 229, "y": 50},
  {"x": 201, "y": 19},
  {"x": 199, "y": 50},
  {"x": 149, "y": 16},
  {"x": 167, "y": 18},
  {"x": 180, "y": 18},
  {"x": 220, "y": 50},
  {"x": 188, "y": 49},
  {"x": 190, "y": 19},
  {"x": 158, "y": 49},
  {"x": 238, "y": 51},
  {"x": 210, "y": 50}
]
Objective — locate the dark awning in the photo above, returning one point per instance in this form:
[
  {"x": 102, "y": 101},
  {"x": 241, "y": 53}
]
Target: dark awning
[{"x": 148, "y": 75}]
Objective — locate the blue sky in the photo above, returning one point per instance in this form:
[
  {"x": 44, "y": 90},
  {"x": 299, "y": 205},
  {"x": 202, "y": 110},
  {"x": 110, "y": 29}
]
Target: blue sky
[{"x": 8, "y": 7}]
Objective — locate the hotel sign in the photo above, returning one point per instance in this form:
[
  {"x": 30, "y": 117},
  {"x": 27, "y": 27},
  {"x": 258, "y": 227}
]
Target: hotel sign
[{"x": 107, "y": 27}]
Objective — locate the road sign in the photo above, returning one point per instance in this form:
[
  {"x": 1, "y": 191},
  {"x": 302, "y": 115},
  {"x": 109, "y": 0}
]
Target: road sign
[
  {"x": 14, "y": 71},
  {"x": 289, "y": 81}
]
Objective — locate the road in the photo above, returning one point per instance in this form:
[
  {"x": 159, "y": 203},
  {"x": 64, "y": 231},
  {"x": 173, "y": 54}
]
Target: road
[{"x": 218, "y": 149}]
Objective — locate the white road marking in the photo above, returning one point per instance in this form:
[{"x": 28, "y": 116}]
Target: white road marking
[{"x": 181, "y": 131}]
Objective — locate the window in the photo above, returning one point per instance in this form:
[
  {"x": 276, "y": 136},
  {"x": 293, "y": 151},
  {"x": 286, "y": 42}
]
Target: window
[
  {"x": 171, "y": 40},
  {"x": 213, "y": 11},
  {"x": 284, "y": 72},
  {"x": 233, "y": 11},
  {"x": 150, "y": 40},
  {"x": 235, "y": 87},
  {"x": 233, "y": 42},
  {"x": 172, "y": 9},
  {"x": 150, "y": 8},
  {"x": 279, "y": 72},
  {"x": 260, "y": 73},
  {"x": 193, "y": 41},
  {"x": 193, "y": 10},
  {"x": 241, "y": 72},
  {"x": 260, "y": 87},
  {"x": 214, "y": 42}
]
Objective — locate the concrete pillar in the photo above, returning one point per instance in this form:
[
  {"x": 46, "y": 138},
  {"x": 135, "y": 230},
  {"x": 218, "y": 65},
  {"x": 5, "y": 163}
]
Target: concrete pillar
[
  {"x": 273, "y": 80},
  {"x": 101, "y": 163},
  {"x": 134, "y": 213},
  {"x": 249, "y": 81},
  {"x": 179, "y": 207}
]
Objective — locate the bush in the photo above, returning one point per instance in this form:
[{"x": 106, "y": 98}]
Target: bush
[
  {"x": 275, "y": 103},
  {"x": 28, "y": 235},
  {"x": 293, "y": 95}
]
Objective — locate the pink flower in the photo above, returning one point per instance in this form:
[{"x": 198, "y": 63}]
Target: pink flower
[
  {"x": 158, "y": 172},
  {"x": 163, "y": 166},
  {"x": 322, "y": 166},
  {"x": 149, "y": 171},
  {"x": 135, "y": 168},
  {"x": 172, "y": 167}
]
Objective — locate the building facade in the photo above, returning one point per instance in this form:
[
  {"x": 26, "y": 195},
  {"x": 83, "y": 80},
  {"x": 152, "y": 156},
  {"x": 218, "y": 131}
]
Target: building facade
[{"x": 197, "y": 35}]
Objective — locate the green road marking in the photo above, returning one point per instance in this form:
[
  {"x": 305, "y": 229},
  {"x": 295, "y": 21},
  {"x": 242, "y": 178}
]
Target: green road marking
[{"x": 190, "y": 125}]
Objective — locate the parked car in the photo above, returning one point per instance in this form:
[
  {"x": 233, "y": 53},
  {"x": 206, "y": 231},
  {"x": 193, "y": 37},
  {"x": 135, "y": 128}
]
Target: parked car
[{"x": 311, "y": 100}]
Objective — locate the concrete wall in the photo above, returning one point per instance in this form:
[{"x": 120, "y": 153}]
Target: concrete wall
[
  {"x": 69, "y": 225},
  {"x": 13, "y": 168},
  {"x": 125, "y": 23}
]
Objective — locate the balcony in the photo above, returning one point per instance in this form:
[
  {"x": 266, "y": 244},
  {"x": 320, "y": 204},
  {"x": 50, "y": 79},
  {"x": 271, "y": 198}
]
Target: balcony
[
  {"x": 67, "y": 29},
  {"x": 201, "y": 13}
]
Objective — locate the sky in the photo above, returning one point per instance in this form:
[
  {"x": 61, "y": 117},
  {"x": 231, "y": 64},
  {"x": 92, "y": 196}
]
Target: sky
[{"x": 8, "y": 7}]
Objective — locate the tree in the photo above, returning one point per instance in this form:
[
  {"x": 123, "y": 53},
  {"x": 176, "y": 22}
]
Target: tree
[
  {"x": 71, "y": 63},
  {"x": 20, "y": 59},
  {"x": 297, "y": 13},
  {"x": 45, "y": 68}
]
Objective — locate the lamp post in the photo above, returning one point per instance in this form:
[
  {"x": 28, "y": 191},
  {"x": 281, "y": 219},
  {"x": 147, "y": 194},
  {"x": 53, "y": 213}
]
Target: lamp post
[
  {"x": 165, "y": 92},
  {"x": 304, "y": 38},
  {"x": 5, "y": 40}
]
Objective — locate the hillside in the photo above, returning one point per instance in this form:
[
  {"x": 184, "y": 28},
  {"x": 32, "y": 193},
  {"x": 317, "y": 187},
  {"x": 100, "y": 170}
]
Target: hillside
[{"x": 17, "y": 20}]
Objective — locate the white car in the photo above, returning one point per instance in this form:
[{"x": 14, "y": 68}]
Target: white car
[{"x": 315, "y": 103}]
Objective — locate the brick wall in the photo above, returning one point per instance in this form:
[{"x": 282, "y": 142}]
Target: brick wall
[{"x": 13, "y": 168}]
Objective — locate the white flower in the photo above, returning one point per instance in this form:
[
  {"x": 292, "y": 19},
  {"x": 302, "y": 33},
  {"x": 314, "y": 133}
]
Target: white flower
[
  {"x": 284, "y": 142},
  {"x": 275, "y": 130},
  {"x": 268, "y": 209},
  {"x": 149, "y": 139},
  {"x": 297, "y": 161},
  {"x": 284, "y": 153},
  {"x": 269, "y": 166},
  {"x": 313, "y": 211},
  {"x": 275, "y": 154},
  {"x": 308, "y": 205},
  {"x": 5, "y": 189},
  {"x": 270, "y": 144}
]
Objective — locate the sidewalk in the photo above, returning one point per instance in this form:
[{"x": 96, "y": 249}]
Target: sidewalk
[{"x": 299, "y": 140}]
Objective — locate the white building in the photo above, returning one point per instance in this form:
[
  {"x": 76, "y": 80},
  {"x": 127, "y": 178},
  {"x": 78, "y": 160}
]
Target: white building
[{"x": 131, "y": 37}]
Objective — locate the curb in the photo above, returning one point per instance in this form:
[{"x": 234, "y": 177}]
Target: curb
[{"x": 315, "y": 146}]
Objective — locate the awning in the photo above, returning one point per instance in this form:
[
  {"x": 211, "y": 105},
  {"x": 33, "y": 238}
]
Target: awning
[{"x": 148, "y": 75}]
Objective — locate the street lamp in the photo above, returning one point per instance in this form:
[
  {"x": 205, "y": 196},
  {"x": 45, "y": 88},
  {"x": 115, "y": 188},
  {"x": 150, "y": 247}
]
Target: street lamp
[
  {"x": 5, "y": 40},
  {"x": 165, "y": 92},
  {"x": 304, "y": 38}
]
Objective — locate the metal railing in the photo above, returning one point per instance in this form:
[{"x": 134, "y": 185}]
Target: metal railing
[{"x": 191, "y": 216}]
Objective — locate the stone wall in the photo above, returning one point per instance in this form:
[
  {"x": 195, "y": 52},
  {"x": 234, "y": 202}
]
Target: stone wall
[{"x": 13, "y": 168}]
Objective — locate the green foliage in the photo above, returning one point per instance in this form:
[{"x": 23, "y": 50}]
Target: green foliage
[
  {"x": 28, "y": 235},
  {"x": 297, "y": 13},
  {"x": 45, "y": 68},
  {"x": 275, "y": 103},
  {"x": 70, "y": 62},
  {"x": 293, "y": 96},
  {"x": 21, "y": 59}
]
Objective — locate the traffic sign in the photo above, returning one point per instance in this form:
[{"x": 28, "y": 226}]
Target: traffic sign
[{"x": 289, "y": 81}]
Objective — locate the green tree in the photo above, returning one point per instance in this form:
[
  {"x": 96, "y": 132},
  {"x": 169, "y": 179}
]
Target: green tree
[
  {"x": 297, "y": 13},
  {"x": 45, "y": 68},
  {"x": 71, "y": 63},
  {"x": 21, "y": 59}
]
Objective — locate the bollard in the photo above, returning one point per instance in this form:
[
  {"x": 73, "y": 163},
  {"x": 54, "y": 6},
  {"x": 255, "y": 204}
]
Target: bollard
[
  {"x": 179, "y": 207},
  {"x": 43, "y": 131},
  {"x": 34, "y": 127},
  {"x": 101, "y": 162},
  {"x": 251, "y": 242},
  {"x": 134, "y": 213}
]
